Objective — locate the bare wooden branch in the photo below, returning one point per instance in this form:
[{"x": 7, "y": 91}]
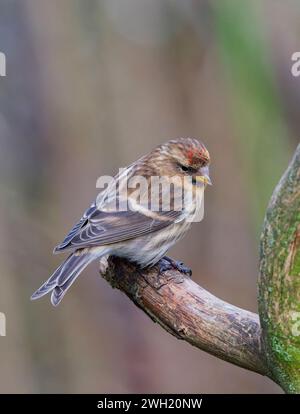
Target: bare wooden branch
[{"x": 189, "y": 312}]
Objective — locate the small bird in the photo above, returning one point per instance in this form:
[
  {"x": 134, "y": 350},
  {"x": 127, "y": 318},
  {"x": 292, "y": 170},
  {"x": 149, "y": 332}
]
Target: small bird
[{"x": 140, "y": 233}]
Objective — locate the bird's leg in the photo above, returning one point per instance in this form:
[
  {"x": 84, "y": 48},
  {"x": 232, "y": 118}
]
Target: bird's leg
[{"x": 166, "y": 263}]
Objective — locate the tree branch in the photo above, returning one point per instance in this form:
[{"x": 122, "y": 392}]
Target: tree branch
[{"x": 189, "y": 312}]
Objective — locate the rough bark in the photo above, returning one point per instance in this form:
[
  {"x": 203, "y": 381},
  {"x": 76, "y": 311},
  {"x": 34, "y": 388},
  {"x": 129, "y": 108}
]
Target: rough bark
[{"x": 189, "y": 312}]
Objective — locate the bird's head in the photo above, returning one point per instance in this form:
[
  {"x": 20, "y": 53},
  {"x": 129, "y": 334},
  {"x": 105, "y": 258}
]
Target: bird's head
[{"x": 184, "y": 157}]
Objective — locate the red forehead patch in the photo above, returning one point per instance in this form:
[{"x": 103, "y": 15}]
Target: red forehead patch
[
  {"x": 190, "y": 156},
  {"x": 194, "y": 155}
]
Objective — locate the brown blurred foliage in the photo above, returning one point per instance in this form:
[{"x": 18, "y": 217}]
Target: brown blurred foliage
[{"x": 90, "y": 86}]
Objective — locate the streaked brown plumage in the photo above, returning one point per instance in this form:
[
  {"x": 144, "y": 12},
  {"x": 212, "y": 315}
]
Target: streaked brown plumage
[{"x": 140, "y": 234}]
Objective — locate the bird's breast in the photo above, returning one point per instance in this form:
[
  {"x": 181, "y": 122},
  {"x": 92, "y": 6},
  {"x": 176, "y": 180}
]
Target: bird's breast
[{"x": 149, "y": 249}]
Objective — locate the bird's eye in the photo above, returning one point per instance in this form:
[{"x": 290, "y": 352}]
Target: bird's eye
[{"x": 190, "y": 170}]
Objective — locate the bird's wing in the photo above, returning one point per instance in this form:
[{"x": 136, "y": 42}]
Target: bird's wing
[
  {"x": 76, "y": 229},
  {"x": 103, "y": 227},
  {"x": 103, "y": 223},
  {"x": 105, "y": 199}
]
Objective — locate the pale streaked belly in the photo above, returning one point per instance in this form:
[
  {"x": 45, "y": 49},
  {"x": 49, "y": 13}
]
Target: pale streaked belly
[{"x": 148, "y": 250}]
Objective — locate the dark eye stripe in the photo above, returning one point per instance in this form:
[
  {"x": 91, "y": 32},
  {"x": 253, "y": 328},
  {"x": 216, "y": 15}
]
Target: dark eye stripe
[{"x": 188, "y": 169}]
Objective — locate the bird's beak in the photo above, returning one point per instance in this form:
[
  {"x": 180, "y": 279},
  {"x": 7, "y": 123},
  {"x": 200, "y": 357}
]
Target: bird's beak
[{"x": 204, "y": 177}]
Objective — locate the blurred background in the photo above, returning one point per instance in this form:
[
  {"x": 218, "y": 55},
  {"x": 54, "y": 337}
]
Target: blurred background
[{"x": 90, "y": 87}]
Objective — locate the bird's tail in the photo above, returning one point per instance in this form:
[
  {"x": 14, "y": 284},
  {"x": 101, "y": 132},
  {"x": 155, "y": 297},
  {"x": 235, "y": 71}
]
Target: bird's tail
[{"x": 64, "y": 276}]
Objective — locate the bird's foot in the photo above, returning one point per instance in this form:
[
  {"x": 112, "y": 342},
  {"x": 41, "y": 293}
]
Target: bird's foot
[
  {"x": 103, "y": 264},
  {"x": 166, "y": 263}
]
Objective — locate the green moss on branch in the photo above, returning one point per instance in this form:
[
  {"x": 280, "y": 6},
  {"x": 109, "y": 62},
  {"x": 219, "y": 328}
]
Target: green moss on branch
[{"x": 279, "y": 285}]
